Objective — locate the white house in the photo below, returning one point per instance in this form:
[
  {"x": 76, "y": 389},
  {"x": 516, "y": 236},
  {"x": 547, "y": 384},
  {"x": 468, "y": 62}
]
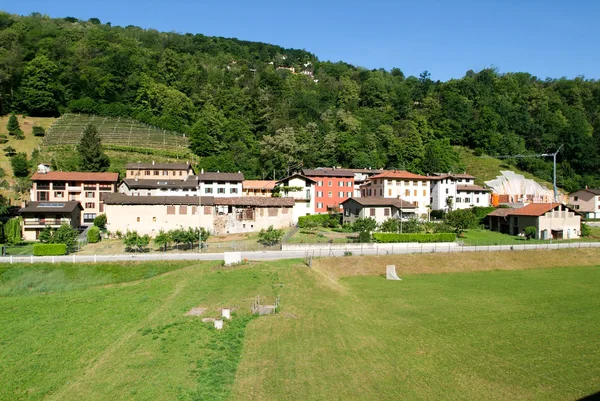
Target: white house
[
  {"x": 43, "y": 168},
  {"x": 221, "y": 184},
  {"x": 457, "y": 190},
  {"x": 400, "y": 184},
  {"x": 160, "y": 187},
  {"x": 302, "y": 189},
  {"x": 379, "y": 209}
]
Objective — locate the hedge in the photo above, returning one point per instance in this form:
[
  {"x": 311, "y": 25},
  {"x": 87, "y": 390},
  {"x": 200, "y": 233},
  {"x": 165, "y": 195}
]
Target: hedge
[
  {"x": 389, "y": 237},
  {"x": 49, "y": 249},
  {"x": 322, "y": 220}
]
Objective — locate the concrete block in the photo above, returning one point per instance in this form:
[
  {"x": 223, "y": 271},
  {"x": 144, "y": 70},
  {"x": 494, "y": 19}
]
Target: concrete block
[{"x": 232, "y": 258}]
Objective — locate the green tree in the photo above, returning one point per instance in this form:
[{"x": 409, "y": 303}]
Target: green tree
[
  {"x": 93, "y": 235},
  {"x": 12, "y": 231},
  {"x": 270, "y": 236},
  {"x": 530, "y": 232},
  {"x": 13, "y": 124},
  {"x": 40, "y": 92},
  {"x": 65, "y": 234},
  {"x": 100, "y": 221},
  {"x": 91, "y": 152},
  {"x": 135, "y": 242},
  {"x": 585, "y": 230},
  {"x": 21, "y": 186},
  {"x": 162, "y": 240},
  {"x": 9, "y": 151},
  {"x": 390, "y": 226},
  {"x": 20, "y": 165},
  {"x": 367, "y": 224},
  {"x": 460, "y": 220}
]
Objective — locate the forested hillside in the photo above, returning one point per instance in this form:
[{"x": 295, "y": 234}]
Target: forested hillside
[{"x": 243, "y": 111}]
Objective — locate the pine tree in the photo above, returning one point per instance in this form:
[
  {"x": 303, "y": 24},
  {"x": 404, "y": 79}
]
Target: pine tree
[
  {"x": 90, "y": 151},
  {"x": 13, "y": 124}
]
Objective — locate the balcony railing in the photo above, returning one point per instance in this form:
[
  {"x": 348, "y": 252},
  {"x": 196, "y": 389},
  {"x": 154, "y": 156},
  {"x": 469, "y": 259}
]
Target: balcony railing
[{"x": 45, "y": 222}]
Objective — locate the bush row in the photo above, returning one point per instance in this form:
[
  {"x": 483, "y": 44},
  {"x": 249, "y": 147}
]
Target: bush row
[
  {"x": 389, "y": 238},
  {"x": 49, "y": 249},
  {"x": 322, "y": 220}
]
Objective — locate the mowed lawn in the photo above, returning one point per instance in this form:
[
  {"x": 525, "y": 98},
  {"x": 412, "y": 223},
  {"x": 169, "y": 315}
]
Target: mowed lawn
[{"x": 511, "y": 325}]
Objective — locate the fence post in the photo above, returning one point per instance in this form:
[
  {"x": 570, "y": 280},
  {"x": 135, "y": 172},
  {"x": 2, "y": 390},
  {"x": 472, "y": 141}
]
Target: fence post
[
  {"x": 11, "y": 259},
  {"x": 53, "y": 261},
  {"x": 94, "y": 258},
  {"x": 73, "y": 258},
  {"x": 31, "y": 258}
]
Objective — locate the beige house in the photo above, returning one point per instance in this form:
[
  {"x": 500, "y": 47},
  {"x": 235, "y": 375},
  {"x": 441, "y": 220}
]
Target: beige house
[
  {"x": 587, "y": 202},
  {"x": 302, "y": 190},
  {"x": 551, "y": 220},
  {"x": 225, "y": 215},
  {"x": 85, "y": 188},
  {"x": 258, "y": 187},
  {"x": 37, "y": 215},
  {"x": 379, "y": 209},
  {"x": 158, "y": 170},
  {"x": 400, "y": 184}
]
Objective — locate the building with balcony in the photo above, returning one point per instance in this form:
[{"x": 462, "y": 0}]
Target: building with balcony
[
  {"x": 333, "y": 186},
  {"x": 160, "y": 187},
  {"x": 587, "y": 202},
  {"x": 220, "y": 184},
  {"x": 302, "y": 190},
  {"x": 457, "y": 191},
  {"x": 85, "y": 188},
  {"x": 147, "y": 171},
  {"x": 37, "y": 215},
  {"x": 379, "y": 209},
  {"x": 258, "y": 187}
]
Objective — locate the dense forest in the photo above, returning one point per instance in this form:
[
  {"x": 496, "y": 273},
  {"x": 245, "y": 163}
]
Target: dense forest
[{"x": 261, "y": 108}]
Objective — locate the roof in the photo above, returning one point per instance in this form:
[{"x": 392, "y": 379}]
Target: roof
[
  {"x": 376, "y": 201},
  {"x": 297, "y": 175},
  {"x": 472, "y": 188},
  {"x": 56, "y": 207},
  {"x": 157, "y": 166},
  {"x": 532, "y": 209},
  {"x": 255, "y": 201},
  {"x": 595, "y": 191},
  {"x": 402, "y": 174},
  {"x": 259, "y": 184},
  {"x": 122, "y": 199},
  {"x": 328, "y": 172},
  {"x": 221, "y": 176},
  {"x": 441, "y": 176},
  {"x": 75, "y": 176},
  {"x": 191, "y": 182}
]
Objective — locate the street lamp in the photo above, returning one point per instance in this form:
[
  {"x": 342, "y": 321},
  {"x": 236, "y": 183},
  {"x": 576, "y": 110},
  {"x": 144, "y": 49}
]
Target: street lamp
[{"x": 199, "y": 219}]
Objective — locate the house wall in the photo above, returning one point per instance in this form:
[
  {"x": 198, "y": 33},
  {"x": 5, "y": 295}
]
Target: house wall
[
  {"x": 31, "y": 230},
  {"x": 152, "y": 173},
  {"x": 416, "y": 192},
  {"x": 468, "y": 199},
  {"x": 230, "y": 223},
  {"x": 586, "y": 202},
  {"x": 221, "y": 188},
  {"x": 153, "y": 218},
  {"x": 354, "y": 210},
  {"x": 565, "y": 220},
  {"x": 124, "y": 189},
  {"x": 304, "y": 199},
  {"x": 86, "y": 193},
  {"x": 258, "y": 192},
  {"x": 332, "y": 191}
]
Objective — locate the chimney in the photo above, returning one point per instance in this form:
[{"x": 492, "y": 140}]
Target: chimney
[
  {"x": 153, "y": 162},
  {"x": 202, "y": 171}
]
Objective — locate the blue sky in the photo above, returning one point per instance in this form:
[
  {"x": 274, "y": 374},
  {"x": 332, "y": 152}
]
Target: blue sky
[{"x": 546, "y": 38}]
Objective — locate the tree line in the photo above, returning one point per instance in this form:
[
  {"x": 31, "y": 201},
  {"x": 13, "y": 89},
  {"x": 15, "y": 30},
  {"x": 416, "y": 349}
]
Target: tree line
[{"x": 242, "y": 111}]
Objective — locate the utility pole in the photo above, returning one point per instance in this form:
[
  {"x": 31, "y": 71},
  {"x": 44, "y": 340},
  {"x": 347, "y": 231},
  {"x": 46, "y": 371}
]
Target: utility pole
[{"x": 523, "y": 156}]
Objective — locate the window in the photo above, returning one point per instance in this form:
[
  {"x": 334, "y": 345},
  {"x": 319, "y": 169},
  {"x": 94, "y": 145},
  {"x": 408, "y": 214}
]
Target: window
[
  {"x": 349, "y": 194},
  {"x": 182, "y": 209},
  {"x": 576, "y": 207},
  {"x": 386, "y": 212},
  {"x": 340, "y": 194},
  {"x": 476, "y": 200},
  {"x": 89, "y": 217},
  {"x": 90, "y": 194},
  {"x": 194, "y": 209},
  {"x": 407, "y": 192},
  {"x": 405, "y": 182},
  {"x": 424, "y": 183},
  {"x": 340, "y": 184},
  {"x": 467, "y": 200},
  {"x": 170, "y": 209},
  {"x": 59, "y": 194},
  {"x": 424, "y": 192},
  {"x": 165, "y": 173},
  {"x": 43, "y": 196},
  {"x": 372, "y": 212},
  {"x": 447, "y": 190},
  {"x": 380, "y": 191},
  {"x": 346, "y": 212},
  {"x": 208, "y": 190},
  {"x": 90, "y": 205},
  {"x": 180, "y": 173},
  {"x": 416, "y": 204},
  {"x": 389, "y": 192},
  {"x": 329, "y": 194},
  {"x": 458, "y": 200},
  {"x": 415, "y": 192},
  {"x": 330, "y": 184},
  {"x": 349, "y": 183},
  {"x": 320, "y": 194},
  {"x": 147, "y": 172},
  {"x": 220, "y": 190},
  {"x": 154, "y": 219},
  {"x": 233, "y": 190},
  {"x": 320, "y": 183},
  {"x": 155, "y": 172},
  {"x": 319, "y": 205},
  {"x": 138, "y": 219}
]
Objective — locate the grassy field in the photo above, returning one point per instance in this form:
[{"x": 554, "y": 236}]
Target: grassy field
[
  {"x": 518, "y": 325},
  {"x": 487, "y": 237},
  {"x": 321, "y": 235}
]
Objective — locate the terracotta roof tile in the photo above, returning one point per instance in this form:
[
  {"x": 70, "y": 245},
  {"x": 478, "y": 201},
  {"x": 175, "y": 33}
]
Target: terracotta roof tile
[
  {"x": 75, "y": 176},
  {"x": 259, "y": 184},
  {"x": 402, "y": 174},
  {"x": 472, "y": 188},
  {"x": 255, "y": 201}
]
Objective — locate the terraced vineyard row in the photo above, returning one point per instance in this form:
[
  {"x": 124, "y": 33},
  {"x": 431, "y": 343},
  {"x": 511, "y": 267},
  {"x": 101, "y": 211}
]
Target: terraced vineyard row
[{"x": 114, "y": 131}]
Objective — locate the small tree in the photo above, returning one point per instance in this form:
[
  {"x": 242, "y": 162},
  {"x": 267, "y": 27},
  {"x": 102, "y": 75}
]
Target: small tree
[
  {"x": 270, "y": 236},
  {"x": 390, "y": 226},
  {"x": 134, "y": 241},
  {"x": 367, "y": 224},
  {"x": 21, "y": 186},
  {"x": 91, "y": 152},
  {"x": 460, "y": 220},
  {"x": 65, "y": 234},
  {"x": 530, "y": 232},
  {"x": 585, "y": 230},
  {"x": 12, "y": 231},
  {"x": 19, "y": 134},
  {"x": 20, "y": 165},
  {"x": 46, "y": 235},
  {"x": 13, "y": 124},
  {"x": 100, "y": 221},
  {"x": 3, "y": 139},
  {"x": 93, "y": 235},
  {"x": 412, "y": 225},
  {"x": 38, "y": 131},
  {"x": 9, "y": 151},
  {"x": 162, "y": 240}
]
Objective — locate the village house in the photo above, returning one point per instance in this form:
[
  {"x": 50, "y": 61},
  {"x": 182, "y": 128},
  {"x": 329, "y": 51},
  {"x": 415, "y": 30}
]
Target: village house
[
  {"x": 302, "y": 190},
  {"x": 551, "y": 220},
  {"x": 258, "y": 187},
  {"x": 82, "y": 187},
  {"x": 160, "y": 187},
  {"x": 379, "y": 209},
  {"x": 400, "y": 184},
  {"x": 220, "y": 216},
  {"x": 333, "y": 186},
  {"x": 587, "y": 202},
  {"x": 158, "y": 170},
  {"x": 457, "y": 191},
  {"x": 220, "y": 184},
  {"x": 38, "y": 215}
]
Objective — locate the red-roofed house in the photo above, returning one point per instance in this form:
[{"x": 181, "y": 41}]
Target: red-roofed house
[
  {"x": 333, "y": 187},
  {"x": 400, "y": 184},
  {"x": 551, "y": 220},
  {"x": 83, "y": 187}
]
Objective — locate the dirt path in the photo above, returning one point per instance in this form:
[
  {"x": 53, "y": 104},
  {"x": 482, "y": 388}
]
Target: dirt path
[{"x": 101, "y": 360}]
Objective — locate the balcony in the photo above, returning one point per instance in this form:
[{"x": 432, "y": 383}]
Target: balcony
[
  {"x": 45, "y": 222},
  {"x": 89, "y": 188},
  {"x": 74, "y": 189}
]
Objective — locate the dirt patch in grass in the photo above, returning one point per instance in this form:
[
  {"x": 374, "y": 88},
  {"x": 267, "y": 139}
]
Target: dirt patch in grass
[
  {"x": 455, "y": 263},
  {"x": 196, "y": 311}
]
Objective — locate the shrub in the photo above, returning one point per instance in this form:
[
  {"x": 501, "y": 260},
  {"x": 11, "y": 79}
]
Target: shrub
[
  {"x": 20, "y": 165},
  {"x": 423, "y": 238},
  {"x": 530, "y": 232},
  {"x": 364, "y": 237},
  {"x": 270, "y": 236},
  {"x": 319, "y": 220},
  {"x": 19, "y": 134},
  {"x": 585, "y": 230},
  {"x": 347, "y": 253},
  {"x": 100, "y": 221},
  {"x": 367, "y": 224},
  {"x": 93, "y": 235},
  {"x": 49, "y": 249},
  {"x": 12, "y": 231},
  {"x": 437, "y": 214},
  {"x": 38, "y": 131},
  {"x": 3, "y": 139}
]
